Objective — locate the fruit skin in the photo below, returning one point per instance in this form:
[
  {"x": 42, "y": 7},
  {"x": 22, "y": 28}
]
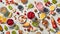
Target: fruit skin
[
  {"x": 10, "y": 22},
  {"x": 54, "y": 25},
  {"x": 30, "y": 15}
]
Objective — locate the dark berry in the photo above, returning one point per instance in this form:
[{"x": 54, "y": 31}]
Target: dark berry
[
  {"x": 0, "y": 0},
  {"x": 58, "y": 10},
  {"x": 20, "y": 7},
  {"x": 46, "y": 10}
]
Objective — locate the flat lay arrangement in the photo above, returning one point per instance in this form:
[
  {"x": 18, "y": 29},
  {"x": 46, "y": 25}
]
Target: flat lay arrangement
[{"x": 29, "y": 16}]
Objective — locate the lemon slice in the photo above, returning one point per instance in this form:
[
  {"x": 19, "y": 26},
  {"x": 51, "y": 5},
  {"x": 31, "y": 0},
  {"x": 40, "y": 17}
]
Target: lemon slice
[
  {"x": 42, "y": 15},
  {"x": 58, "y": 32},
  {"x": 52, "y": 7}
]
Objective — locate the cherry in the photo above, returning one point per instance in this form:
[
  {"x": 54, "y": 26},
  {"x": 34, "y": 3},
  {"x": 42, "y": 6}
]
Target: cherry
[{"x": 10, "y": 22}]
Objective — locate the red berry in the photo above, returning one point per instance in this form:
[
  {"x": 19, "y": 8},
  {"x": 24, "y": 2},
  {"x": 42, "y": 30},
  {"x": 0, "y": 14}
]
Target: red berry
[
  {"x": 30, "y": 15},
  {"x": 58, "y": 20},
  {"x": 10, "y": 22},
  {"x": 0, "y": 0},
  {"x": 18, "y": 13},
  {"x": 48, "y": 2}
]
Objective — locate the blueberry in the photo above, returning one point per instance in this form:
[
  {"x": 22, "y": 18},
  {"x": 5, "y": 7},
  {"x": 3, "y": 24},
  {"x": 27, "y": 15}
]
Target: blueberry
[
  {"x": 58, "y": 10},
  {"x": 20, "y": 7},
  {"x": 45, "y": 10}
]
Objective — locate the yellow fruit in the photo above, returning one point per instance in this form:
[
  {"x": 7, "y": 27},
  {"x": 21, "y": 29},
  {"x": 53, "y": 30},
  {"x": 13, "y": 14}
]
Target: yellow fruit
[
  {"x": 26, "y": 24},
  {"x": 4, "y": 20},
  {"x": 52, "y": 7},
  {"x": 42, "y": 15},
  {"x": 1, "y": 28},
  {"x": 58, "y": 32}
]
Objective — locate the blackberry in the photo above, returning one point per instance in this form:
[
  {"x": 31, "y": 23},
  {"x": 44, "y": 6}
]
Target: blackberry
[
  {"x": 45, "y": 10},
  {"x": 58, "y": 10},
  {"x": 20, "y": 7}
]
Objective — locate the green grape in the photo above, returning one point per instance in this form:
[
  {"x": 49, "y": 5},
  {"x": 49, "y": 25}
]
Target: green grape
[
  {"x": 30, "y": 6},
  {"x": 16, "y": 27},
  {"x": 10, "y": 7},
  {"x": 45, "y": 1},
  {"x": 54, "y": 1},
  {"x": 58, "y": 5},
  {"x": 52, "y": 30},
  {"x": 35, "y": 24},
  {"x": 13, "y": 32},
  {"x": 5, "y": 27}
]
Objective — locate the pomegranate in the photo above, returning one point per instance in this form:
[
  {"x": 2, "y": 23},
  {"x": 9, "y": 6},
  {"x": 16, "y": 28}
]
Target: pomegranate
[
  {"x": 10, "y": 22},
  {"x": 30, "y": 15}
]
